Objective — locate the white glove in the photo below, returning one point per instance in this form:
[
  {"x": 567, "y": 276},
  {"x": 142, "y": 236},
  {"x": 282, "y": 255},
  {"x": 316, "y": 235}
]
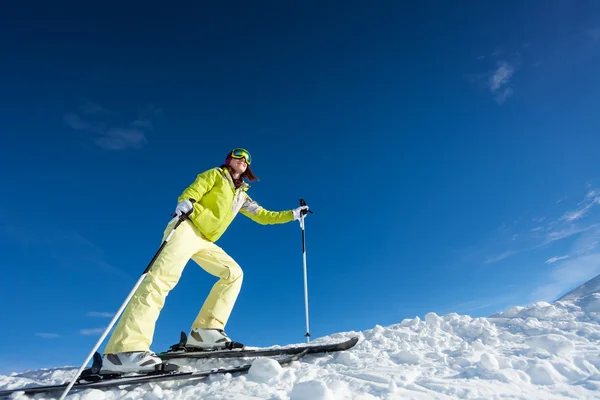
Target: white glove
[
  {"x": 184, "y": 207},
  {"x": 299, "y": 211}
]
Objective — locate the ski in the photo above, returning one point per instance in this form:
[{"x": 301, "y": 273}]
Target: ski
[
  {"x": 158, "y": 376},
  {"x": 239, "y": 353},
  {"x": 90, "y": 379}
]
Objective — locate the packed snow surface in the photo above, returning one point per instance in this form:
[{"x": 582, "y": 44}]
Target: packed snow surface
[{"x": 543, "y": 351}]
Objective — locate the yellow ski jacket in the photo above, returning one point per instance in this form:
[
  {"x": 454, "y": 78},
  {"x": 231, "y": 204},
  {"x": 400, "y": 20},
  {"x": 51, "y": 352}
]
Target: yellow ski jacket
[{"x": 218, "y": 202}]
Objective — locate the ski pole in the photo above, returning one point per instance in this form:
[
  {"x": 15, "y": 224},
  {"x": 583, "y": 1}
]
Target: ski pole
[
  {"x": 302, "y": 215},
  {"x": 180, "y": 219}
]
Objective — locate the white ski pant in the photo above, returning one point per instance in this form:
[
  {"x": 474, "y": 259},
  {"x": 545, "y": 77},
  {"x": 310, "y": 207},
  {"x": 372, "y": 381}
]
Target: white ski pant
[{"x": 135, "y": 329}]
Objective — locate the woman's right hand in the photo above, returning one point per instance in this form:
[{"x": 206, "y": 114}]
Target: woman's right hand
[{"x": 184, "y": 207}]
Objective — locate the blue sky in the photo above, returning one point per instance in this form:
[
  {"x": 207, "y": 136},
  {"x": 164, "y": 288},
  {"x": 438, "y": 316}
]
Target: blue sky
[{"x": 450, "y": 155}]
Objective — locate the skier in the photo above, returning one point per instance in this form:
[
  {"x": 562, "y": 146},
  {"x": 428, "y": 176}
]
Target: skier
[{"x": 211, "y": 201}]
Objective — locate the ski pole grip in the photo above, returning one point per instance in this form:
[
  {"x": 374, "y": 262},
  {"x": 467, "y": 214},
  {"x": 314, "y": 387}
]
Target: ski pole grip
[
  {"x": 303, "y": 203},
  {"x": 187, "y": 214}
]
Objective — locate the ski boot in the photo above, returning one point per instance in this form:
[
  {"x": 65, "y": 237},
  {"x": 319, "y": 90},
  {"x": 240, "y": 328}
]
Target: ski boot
[
  {"x": 210, "y": 339},
  {"x": 136, "y": 361}
]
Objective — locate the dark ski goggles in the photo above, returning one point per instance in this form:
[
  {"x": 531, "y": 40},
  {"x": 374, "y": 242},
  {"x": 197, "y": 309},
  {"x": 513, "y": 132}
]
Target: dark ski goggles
[{"x": 241, "y": 153}]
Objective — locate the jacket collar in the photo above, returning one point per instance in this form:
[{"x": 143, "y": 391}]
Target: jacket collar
[{"x": 225, "y": 172}]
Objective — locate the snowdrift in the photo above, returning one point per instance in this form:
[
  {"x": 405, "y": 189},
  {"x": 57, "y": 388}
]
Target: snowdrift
[{"x": 543, "y": 351}]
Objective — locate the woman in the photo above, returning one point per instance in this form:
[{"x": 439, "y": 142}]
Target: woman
[{"x": 211, "y": 201}]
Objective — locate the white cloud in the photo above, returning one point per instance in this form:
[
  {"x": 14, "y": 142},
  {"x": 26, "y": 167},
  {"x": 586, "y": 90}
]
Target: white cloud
[
  {"x": 591, "y": 199},
  {"x": 67, "y": 248},
  {"x": 101, "y": 314},
  {"x": 588, "y": 242},
  {"x": 91, "y": 332},
  {"x": 594, "y": 193},
  {"x": 48, "y": 335},
  {"x": 482, "y": 303},
  {"x": 555, "y": 259},
  {"x": 75, "y": 122},
  {"x": 498, "y": 257},
  {"x": 122, "y": 138},
  {"x": 91, "y": 108},
  {"x": 502, "y": 65},
  {"x": 595, "y": 33},
  {"x": 581, "y": 264},
  {"x": 501, "y": 76},
  {"x": 111, "y": 135},
  {"x": 499, "y": 82},
  {"x": 567, "y": 232},
  {"x": 580, "y": 220},
  {"x": 503, "y": 95},
  {"x": 567, "y": 275},
  {"x": 143, "y": 123},
  {"x": 579, "y": 213}
]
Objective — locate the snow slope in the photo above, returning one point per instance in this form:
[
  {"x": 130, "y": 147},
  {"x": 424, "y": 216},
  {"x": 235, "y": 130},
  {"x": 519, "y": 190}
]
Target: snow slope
[
  {"x": 543, "y": 351},
  {"x": 589, "y": 287}
]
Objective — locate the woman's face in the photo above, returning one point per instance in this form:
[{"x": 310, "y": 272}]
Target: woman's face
[{"x": 239, "y": 165}]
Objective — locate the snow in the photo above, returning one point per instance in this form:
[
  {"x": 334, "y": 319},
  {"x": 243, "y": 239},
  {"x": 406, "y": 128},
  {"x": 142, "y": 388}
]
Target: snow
[
  {"x": 540, "y": 351},
  {"x": 590, "y": 287},
  {"x": 311, "y": 390},
  {"x": 264, "y": 370}
]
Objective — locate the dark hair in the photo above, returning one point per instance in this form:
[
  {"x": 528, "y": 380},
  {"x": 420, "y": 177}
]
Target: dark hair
[{"x": 248, "y": 174}]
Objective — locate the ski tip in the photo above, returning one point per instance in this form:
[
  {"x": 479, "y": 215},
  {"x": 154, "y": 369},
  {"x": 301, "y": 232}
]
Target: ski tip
[{"x": 298, "y": 356}]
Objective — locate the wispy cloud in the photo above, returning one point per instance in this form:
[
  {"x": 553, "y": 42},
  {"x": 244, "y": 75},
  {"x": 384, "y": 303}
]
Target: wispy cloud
[
  {"x": 90, "y": 107},
  {"x": 499, "y": 82},
  {"x": 67, "y": 248},
  {"x": 567, "y": 275},
  {"x": 517, "y": 238},
  {"x": 588, "y": 242},
  {"x": 110, "y": 133},
  {"x": 592, "y": 199},
  {"x": 122, "y": 138},
  {"x": 500, "y": 256},
  {"x": 75, "y": 122},
  {"x": 48, "y": 236},
  {"x": 594, "y": 33},
  {"x": 486, "y": 303},
  {"x": 579, "y": 221},
  {"x": 582, "y": 262},
  {"x": 48, "y": 335},
  {"x": 91, "y": 332},
  {"x": 143, "y": 123},
  {"x": 552, "y": 260},
  {"x": 101, "y": 314}
]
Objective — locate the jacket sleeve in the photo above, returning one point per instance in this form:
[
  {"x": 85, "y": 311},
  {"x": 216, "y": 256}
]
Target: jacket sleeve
[
  {"x": 202, "y": 184},
  {"x": 258, "y": 214}
]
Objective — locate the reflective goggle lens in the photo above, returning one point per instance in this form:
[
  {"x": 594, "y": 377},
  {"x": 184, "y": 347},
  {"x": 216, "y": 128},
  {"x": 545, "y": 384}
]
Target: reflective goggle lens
[{"x": 241, "y": 153}]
